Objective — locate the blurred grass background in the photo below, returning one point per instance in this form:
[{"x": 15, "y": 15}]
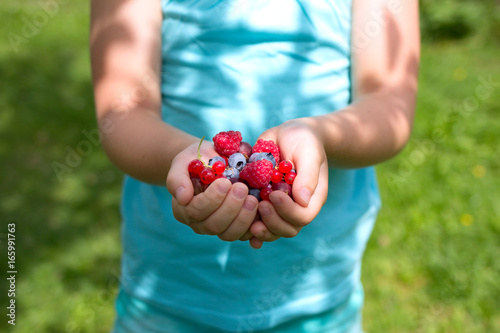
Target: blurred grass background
[{"x": 430, "y": 266}]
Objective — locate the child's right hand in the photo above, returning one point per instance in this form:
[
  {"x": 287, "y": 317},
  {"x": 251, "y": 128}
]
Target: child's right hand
[{"x": 223, "y": 209}]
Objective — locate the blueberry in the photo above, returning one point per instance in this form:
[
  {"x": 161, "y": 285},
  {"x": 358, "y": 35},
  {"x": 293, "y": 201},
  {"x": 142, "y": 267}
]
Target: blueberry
[
  {"x": 230, "y": 173},
  {"x": 237, "y": 161},
  {"x": 255, "y": 192},
  {"x": 263, "y": 156},
  {"x": 215, "y": 159}
]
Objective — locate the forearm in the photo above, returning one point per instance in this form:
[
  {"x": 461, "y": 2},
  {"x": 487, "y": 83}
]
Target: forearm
[
  {"x": 125, "y": 45},
  {"x": 141, "y": 144},
  {"x": 371, "y": 130},
  {"x": 377, "y": 125}
]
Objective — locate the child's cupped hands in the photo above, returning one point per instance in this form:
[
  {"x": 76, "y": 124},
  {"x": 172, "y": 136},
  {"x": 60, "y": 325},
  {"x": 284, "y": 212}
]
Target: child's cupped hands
[
  {"x": 282, "y": 216},
  {"x": 225, "y": 209}
]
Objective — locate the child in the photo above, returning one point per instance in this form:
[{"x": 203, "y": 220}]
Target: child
[{"x": 333, "y": 83}]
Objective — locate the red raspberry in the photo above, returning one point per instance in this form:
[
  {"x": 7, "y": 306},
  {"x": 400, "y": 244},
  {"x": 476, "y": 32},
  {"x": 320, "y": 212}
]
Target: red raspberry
[
  {"x": 227, "y": 143},
  {"x": 267, "y": 146},
  {"x": 257, "y": 174}
]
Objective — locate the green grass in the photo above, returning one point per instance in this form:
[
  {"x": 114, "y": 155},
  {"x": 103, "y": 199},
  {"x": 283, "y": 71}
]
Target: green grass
[
  {"x": 430, "y": 265},
  {"x": 67, "y": 232}
]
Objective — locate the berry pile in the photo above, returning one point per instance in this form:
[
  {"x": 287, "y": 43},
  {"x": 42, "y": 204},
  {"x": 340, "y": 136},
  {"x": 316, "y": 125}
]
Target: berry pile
[{"x": 259, "y": 167}]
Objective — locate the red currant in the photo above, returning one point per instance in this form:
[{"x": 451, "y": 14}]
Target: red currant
[
  {"x": 195, "y": 167},
  {"x": 276, "y": 176},
  {"x": 290, "y": 177},
  {"x": 285, "y": 166},
  {"x": 207, "y": 176},
  {"x": 218, "y": 167},
  {"x": 264, "y": 193}
]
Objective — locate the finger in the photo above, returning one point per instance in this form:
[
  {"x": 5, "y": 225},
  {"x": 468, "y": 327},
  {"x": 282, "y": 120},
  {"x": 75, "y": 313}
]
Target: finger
[
  {"x": 307, "y": 163},
  {"x": 260, "y": 231},
  {"x": 204, "y": 204},
  {"x": 217, "y": 222},
  {"x": 243, "y": 220},
  {"x": 248, "y": 234},
  {"x": 179, "y": 183},
  {"x": 287, "y": 210},
  {"x": 272, "y": 226},
  {"x": 295, "y": 214},
  {"x": 256, "y": 243},
  {"x": 276, "y": 225},
  {"x": 269, "y": 134},
  {"x": 178, "y": 179},
  {"x": 180, "y": 213}
]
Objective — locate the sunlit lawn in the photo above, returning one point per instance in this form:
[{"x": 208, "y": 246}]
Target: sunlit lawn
[{"x": 432, "y": 262}]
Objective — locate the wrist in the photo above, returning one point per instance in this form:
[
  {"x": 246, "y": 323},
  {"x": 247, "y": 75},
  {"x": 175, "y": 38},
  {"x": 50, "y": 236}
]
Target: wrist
[{"x": 314, "y": 125}]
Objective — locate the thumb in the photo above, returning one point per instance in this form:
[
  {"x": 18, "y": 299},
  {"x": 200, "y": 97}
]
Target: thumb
[
  {"x": 308, "y": 166},
  {"x": 269, "y": 134},
  {"x": 179, "y": 183}
]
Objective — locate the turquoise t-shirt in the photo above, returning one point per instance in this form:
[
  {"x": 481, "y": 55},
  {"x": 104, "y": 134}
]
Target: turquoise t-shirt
[{"x": 249, "y": 65}]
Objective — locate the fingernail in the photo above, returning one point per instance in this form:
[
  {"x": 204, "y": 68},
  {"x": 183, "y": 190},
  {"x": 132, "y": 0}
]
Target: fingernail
[
  {"x": 264, "y": 211},
  {"x": 249, "y": 204},
  {"x": 251, "y": 246},
  {"x": 223, "y": 187},
  {"x": 178, "y": 193},
  {"x": 305, "y": 194},
  {"x": 276, "y": 200},
  {"x": 239, "y": 192}
]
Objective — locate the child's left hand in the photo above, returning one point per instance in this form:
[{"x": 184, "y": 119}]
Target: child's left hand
[{"x": 284, "y": 217}]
